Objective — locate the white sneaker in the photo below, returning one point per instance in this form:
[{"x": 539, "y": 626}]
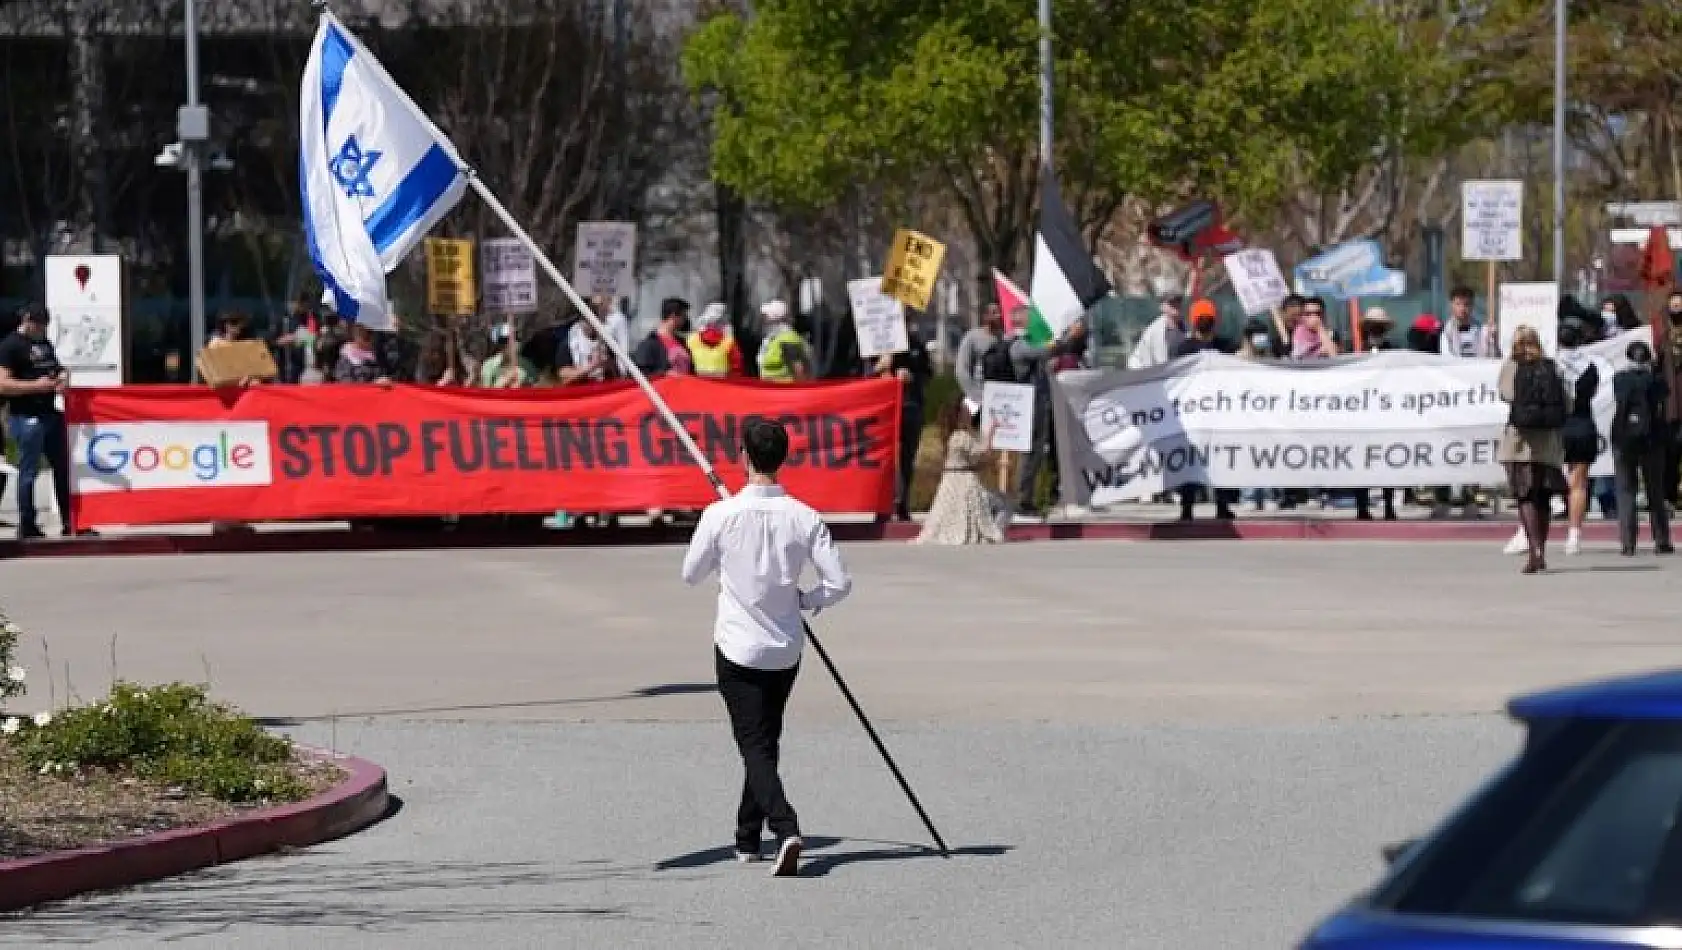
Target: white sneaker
[
  {"x": 1518, "y": 545},
  {"x": 1573, "y": 542},
  {"x": 788, "y": 858}
]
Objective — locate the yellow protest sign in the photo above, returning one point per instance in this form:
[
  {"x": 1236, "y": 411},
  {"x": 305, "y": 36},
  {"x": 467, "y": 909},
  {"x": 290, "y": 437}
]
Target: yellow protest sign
[
  {"x": 450, "y": 290},
  {"x": 913, "y": 265}
]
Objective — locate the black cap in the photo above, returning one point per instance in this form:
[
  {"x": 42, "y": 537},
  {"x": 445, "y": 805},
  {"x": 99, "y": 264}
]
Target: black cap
[{"x": 674, "y": 307}]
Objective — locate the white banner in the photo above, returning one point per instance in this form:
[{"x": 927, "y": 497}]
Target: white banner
[
  {"x": 1256, "y": 280},
  {"x": 1492, "y": 221},
  {"x": 1393, "y": 419},
  {"x": 510, "y": 276},
  {"x": 605, "y": 260},
  {"x": 878, "y": 319},
  {"x": 1009, "y": 409}
]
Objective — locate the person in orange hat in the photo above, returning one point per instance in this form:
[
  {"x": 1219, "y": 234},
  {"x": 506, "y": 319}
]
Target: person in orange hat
[{"x": 1204, "y": 321}]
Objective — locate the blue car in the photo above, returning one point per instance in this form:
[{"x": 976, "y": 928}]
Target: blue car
[{"x": 1573, "y": 845}]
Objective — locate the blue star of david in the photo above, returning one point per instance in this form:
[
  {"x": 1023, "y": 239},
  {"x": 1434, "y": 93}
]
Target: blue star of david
[{"x": 352, "y": 166}]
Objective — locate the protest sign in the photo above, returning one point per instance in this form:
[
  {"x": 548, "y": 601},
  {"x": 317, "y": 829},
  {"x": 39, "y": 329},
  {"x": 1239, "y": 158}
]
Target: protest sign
[
  {"x": 172, "y": 454},
  {"x": 1256, "y": 280},
  {"x": 878, "y": 319},
  {"x": 1392, "y": 419},
  {"x": 87, "y": 318},
  {"x": 1334, "y": 272},
  {"x": 1532, "y": 305},
  {"x": 605, "y": 259},
  {"x": 1492, "y": 220},
  {"x": 1009, "y": 408},
  {"x": 449, "y": 277},
  {"x": 510, "y": 276},
  {"x": 913, "y": 265}
]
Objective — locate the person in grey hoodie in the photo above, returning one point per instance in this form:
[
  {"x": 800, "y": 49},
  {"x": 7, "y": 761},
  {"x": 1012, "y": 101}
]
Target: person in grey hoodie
[
  {"x": 1036, "y": 365},
  {"x": 1463, "y": 338},
  {"x": 974, "y": 345}
]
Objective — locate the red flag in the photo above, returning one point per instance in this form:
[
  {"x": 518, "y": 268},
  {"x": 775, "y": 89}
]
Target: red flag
[{"x": 1658, "y": 266}]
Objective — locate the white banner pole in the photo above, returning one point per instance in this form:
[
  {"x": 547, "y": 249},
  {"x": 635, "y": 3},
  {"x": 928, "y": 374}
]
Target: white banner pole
[{"x": 584, "y": 310}]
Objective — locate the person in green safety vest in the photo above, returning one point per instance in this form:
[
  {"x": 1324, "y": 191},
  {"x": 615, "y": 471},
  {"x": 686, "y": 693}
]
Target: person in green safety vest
[{"x": 783, "y": 356}]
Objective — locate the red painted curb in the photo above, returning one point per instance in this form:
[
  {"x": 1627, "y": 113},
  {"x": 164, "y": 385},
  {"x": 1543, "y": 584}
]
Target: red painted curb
[
  {"x": 350, "y": 806},
  {"x": 1249, "y": 529}
]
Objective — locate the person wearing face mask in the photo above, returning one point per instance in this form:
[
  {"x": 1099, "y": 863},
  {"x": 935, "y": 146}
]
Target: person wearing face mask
[
  {"x": 1204, "y": 319},
  {"x": 1376, "y": 325},
  {"x": 1618, "y": 315},
  {"x": 1667, "y": 342},
  {"x": 1640, "y": 447}
]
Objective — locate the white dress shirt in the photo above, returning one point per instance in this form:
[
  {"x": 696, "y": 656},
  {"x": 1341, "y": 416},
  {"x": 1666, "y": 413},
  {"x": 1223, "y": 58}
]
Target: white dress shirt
[{"x": 759, "y": 542}]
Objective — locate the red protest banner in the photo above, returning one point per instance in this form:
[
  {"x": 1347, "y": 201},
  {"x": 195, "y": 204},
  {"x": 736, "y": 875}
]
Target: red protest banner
[{"x": 172, "y": 454}]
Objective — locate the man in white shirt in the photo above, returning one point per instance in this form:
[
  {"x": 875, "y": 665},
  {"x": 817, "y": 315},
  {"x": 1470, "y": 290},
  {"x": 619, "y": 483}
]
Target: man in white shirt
[{"x": 759, "y": 542}]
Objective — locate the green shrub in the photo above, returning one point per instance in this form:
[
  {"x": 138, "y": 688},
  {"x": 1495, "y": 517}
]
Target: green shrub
[
  {"x": 11, "y": 675},
  {"x": 172, "y": 734}
]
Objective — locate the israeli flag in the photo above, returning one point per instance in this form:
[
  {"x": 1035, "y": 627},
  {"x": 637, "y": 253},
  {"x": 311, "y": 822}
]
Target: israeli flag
[{"x": 376, "y": 173}]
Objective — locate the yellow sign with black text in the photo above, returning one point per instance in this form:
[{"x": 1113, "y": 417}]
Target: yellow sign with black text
[
  {"x": 450, "y": 289},
  {"x": 913, "y": 265}
]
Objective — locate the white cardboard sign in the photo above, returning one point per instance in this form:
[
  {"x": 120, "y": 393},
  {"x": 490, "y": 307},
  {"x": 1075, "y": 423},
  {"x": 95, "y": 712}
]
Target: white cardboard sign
[
  {"x": 1009, "y": 407},
  {"x": 85, "y": 307},
  {"x": 510, "y": 276},
  {"x": 1533, "y": 305},
  {"x": 878, "y": 319},
  {"x": 1257, "y": 280},
  {"x": 1492, "y": 220},
  {"x": 605, "y": 259}
]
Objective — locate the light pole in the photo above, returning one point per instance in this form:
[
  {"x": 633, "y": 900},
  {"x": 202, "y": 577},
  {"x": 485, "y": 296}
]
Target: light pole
[
  {"x": 1559, "y": 145},
  {"x": 192, "y": 125},
  {"x": 1045, "y": 83}
]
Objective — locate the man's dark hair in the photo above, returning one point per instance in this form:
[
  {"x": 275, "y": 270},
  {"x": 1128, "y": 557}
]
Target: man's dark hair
[
  {"x": 1638, "y": 352},
  {"x": 1316, "y": 301},
  {"x": 673, "y": 307},
  {"x": 32, "y": 313},
  {"x": 1461, "y": 292},
  {"x": 1292, "y": 300},
  {"x": 766, "y": 443}
]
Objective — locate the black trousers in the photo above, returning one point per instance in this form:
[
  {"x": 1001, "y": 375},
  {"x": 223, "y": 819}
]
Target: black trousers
[
  {"x": 1672, "y": 475},
  {"x": 1631, "y": 468},
  {"x": 910, "y": 438},
  {"x": 756, "y": 700}
]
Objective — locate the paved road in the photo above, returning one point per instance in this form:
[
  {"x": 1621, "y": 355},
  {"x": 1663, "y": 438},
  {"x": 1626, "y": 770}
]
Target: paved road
[{"x": 1143, "y": 746}]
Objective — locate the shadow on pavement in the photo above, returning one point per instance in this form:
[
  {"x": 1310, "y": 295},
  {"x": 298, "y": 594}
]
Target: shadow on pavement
[
  {"x": 645, "y": 692},
  {"x": 820, "y": 864},
  {"x": 314, "y": 895}
]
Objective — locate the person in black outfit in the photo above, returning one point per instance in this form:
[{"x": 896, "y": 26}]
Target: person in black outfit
[
  {"x": 1203, "y": 337},
  {"x": 31, "y": 379},
  {"x": 1376, "y": 325},
  {"x": 1580, "y": 438},
  {"x": 913, "y": 369},
  {"x": 1639, "y": 436}
]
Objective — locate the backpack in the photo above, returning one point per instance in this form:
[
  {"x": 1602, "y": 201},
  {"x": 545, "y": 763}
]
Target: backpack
[
  {"x": 996, "y": 364},
  {"x": 1538, "y": 397},
  {"x": 1632, "y": 420}
]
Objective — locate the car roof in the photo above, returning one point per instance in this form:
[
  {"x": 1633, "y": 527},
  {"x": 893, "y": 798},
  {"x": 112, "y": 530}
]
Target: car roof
[{"x": 1647, "y": 696}]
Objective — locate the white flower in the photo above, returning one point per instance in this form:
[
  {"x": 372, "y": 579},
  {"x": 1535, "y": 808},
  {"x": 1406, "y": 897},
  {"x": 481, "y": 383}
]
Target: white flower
[
  {"x": 17, "y": 674},
  {"x": 11, "y": 726},
  {"x": 47, "y": 767},
  {"x": 42, "y": 719}
]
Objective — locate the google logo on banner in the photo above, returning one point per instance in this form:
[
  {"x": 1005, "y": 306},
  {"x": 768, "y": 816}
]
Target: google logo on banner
[{"x": 147, "y": 455}]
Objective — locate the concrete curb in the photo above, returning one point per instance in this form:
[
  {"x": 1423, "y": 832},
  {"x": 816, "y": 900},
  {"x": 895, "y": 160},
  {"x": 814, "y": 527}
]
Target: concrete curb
[
  {"x": 357, "y": 802},
  {"x": 1251, "y": 529}
]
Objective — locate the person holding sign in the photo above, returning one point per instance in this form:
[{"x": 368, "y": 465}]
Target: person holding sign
[
  {"x": 964, "y": 510},
  {"x": 783, "y": 356},
  {"x": 913, "y": 369},
  {"x": 1204, "y": 319}
]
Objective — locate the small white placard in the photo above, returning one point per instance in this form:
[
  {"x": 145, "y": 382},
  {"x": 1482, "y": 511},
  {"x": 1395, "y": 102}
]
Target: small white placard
[
  {"x": 879, "y": 320},
  {"x": 1010, "y": 408},
  {"x": 1492, "y": 221},
  {"x": 1256, "y": 279},
  {"x": 1532, "y": 305}
]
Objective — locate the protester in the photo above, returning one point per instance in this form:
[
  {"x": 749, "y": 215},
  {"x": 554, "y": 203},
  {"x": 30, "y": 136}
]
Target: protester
[
  {"x": 783, "y": 354},
  {"x": 1031, "y": 364},
  {"x": 440, "y": 362},
  {"x": 1531, "y": 447},
  {"x": 1667, "y": 343},
  {"x": 760, "y": 542},
  {"x": 713, "y": 350},
  {"x": 663, "y": 350},
  {"x": 33, "y": 380},
  {"x": 9, "y": 323},
  {"x": 1376, "y": 325},
  {"x": 1258, "y": 344},
  {"x": 1425, "y": 336},
  {"x": 1312, "y": 339},
  {"x": 358, "y": 361},
  {"x": 586, "y": 358},
  {"x": 1156, "y": 344},
  {"x": 1619, "y": 315},
  {"x": 969, "y": 362},
  {"x": 614, "y": 321},
  {"x": 1639, "y": 447},
  {"x": 913, "y": 369},
  {"x": 964, "y": 510},
  {"x": 231, "y": 327},
  {"x": 1204, "y": 319},
  {"x": 1462, "y": 336},
  {"x": 1580, "y": 439},
  {"x": 1286, "y": 318},
  {"x": 328, "y": 342}
]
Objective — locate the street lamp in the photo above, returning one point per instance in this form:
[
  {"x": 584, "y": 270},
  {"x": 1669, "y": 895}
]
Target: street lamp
[{"x": 1559, "y": 145}]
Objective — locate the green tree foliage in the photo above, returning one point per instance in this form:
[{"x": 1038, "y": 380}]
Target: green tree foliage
[{"x": 1230, "y": 98}]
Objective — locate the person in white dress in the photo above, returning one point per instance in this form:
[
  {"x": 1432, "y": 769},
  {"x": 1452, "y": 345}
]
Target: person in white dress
[{"x": 964, "y": 511}]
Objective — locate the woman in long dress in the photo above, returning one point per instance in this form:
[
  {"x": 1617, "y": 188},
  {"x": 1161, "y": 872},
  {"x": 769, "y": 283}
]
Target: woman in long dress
[{"x": 964, "y": 511}]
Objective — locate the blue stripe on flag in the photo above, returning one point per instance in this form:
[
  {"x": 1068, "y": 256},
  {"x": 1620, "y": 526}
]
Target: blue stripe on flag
[
  {"x": 413, "y": 197},
  {"x": 336, "y": 52},
  {"x": 343, "y": 303}
]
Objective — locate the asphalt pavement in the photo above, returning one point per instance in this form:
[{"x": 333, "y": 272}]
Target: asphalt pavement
[{"x": 1139, "y": 746}]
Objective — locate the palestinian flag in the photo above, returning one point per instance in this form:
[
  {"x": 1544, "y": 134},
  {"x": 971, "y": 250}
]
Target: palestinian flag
[
  {"x": 1066, "y": 282},
  {"x": 1011, "y": 299}
]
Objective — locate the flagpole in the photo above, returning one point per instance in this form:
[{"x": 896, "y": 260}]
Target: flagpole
[{"x": 513, "y": 226}]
